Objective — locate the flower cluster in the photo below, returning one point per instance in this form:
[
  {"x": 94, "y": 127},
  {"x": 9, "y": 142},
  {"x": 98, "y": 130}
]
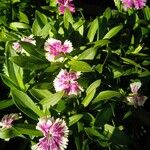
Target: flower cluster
[
  {"x": 7, "y": 120},
  {"x": 66, "y": 81},
  {"x": 137, "y": 4},
  {"x": 17, "y": 46},
  {"x": 63, "y": 4},
  {"x": 55, "y": 134},
  {"x": 135, "y": 98},
  {"x": 55, "y": 49}
]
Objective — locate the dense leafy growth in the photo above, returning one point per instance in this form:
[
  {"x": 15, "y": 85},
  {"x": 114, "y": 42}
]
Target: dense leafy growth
[{"x": 98, "y": 58}]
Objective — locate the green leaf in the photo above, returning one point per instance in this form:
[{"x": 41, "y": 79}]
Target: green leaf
[
  {"x": 114, "y": 31},
  {"x": 93, "y": 86},
  {"x": 15, "y": 1},
  {"x": 88, "y": 98},
  {"x": 99, "y": 68},
  {"x": 80, "y": 66},
  {"x": 129, "y": 61},
  {"x": 102, "y": 29},
  {"x": 52, "y": 3},
  {"x": 18, "y": 25},
  {"x": 104, "y": 116},
  {"x": 106, "y": 95},
  {"x": 77, "y": 142},
  {"x": 75, "y": 118},
  {"x": 8, "y": 81},
  {"x": 40, "y": 93},
  {"x": 94, "y": 134},
  {"x": 53, "y": 67},
  {"x": 146, "y": 63},
  {"x": 23, "y": 17},
  {"x": 8, "y": 133},
  {"x": 118, "y": 4},
  {"x": 32, "y": 50},
  {"x": 116, "y": 136},
  {"x": 45, "y": 30},
  {"x": 138, "y": 49},
  {"x": 36, "y": 29},
  {"x": 27, "y": 129},
  {"x": 41, "y": 19},
  {"x": 117, "y": 73},
  {"x": 30, "y": 63},
  {"x": 88, "y": 54},
  {"x": 107, "y": 13},
  {"x": 6, "y": 103},
  {"x": 127, "y": 114},
  {"x": 14, "y": 72},
  {"x": 81, "y": 30},
  {"x": 61, "y": 105},
  {"x": 146, "y": 12},
  {"x": 90, "y": 93},
  {"x": 78, "y": 24},
  {"x": 92, "y": 30},
  {"x": 67, "y": 18},
  {"x": 25, "y": 104},
  {"x": 144, "y": 74},
  {"x": 6, "y": 36},
  {"x": 101, "y": 43},
  {"x": 52, "y": 100}
]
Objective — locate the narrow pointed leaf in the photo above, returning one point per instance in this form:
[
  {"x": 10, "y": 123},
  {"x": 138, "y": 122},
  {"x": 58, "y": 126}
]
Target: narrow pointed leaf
[
  {"x": 75, "y": 118},
  {"x": 26, "y": 105},
  {"x": 6, "y": 103},
  {"x": 114, "y": 31}
]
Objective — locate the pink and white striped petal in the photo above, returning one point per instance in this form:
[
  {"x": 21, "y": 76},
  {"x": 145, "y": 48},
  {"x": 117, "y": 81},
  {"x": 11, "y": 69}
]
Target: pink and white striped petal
[
  {"x": 7, "y": 120},
  {"x": 66, "y": 81},
  {"x": 63, "y": 4},
  {"x": 135, "y": 87},
  {"x": 55, "y": 134},
  {"x": 55, "y": 49}
]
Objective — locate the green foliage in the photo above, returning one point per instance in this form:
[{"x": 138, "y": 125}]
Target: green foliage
[
  {"x": 24, "y": 103},
  {"x": 110, "y": 51}
]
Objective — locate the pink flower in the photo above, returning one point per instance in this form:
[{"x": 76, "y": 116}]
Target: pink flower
[
  {"x": 127, "y": 4},
  {"x": 17, "y": 46},
  {"x": 29, "y": 39},
  {"x": 135, "y": 86},
  {"x": 7, "y": 120},
  {"x": 135, "y": 98},
  {"x": 63, "y": 4},
  {"x": 137, "y": 4},
  {"x": 55, "y": 49},
  {"x": 55, "y": 134},
  {"x": 66, "y": 81}
]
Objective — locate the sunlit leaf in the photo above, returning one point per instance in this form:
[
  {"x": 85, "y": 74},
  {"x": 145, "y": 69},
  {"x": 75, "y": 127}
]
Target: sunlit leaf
[
  {"x": 27, "y": 129},
  {"x": 8, "y": 133},
  {"x": 52, "y": 100},
  {"x": 94, "y": 134},
  {"x": 80, "y": 66},
  {"x": 106, "y": 95},
  {"x": 6, "y": 103},
  {"x": 92, "y": 30},
  {"x": 88, "y": 98},
  {"x": 112, "y": 32},
  {"x": 88, "y": 54},
  {"x": 68, "y": 19},
  {"x": 26, "y": 104},
  {"x": 93, "y": 86},
  {"x": 75, "y": 118},
  {"x": 30, "y": 63},
  {"x": 19, "y": 25}
]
